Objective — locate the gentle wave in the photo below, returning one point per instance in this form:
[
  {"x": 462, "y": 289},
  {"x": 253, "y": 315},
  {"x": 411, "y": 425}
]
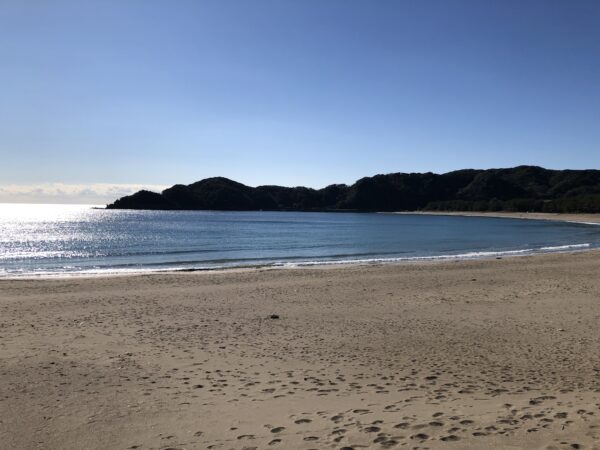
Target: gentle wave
[
  {"x": 61, "y": 254},
  {"x": 565, "y": 247},
  {"x": 583, "y": 223},
  {"x": 288, "y": 264},
  {"x": 470, "y": 255}
]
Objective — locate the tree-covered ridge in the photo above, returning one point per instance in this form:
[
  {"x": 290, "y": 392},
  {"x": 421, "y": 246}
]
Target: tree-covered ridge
[{"x": 523, "y": 188}]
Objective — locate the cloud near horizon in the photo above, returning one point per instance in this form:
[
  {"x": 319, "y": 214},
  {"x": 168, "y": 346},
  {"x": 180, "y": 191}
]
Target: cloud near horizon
[{"x": 93, "y": 193}]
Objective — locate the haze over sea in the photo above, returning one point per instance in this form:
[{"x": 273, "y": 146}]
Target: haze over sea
[{"x": 70, "y": 239}]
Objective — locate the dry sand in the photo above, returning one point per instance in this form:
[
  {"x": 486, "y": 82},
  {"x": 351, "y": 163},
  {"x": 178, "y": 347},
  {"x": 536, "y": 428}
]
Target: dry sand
[{"x": 461, "y": 355}]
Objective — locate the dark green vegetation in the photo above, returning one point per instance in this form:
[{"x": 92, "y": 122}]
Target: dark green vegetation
[{"x": 523, "y": 188}]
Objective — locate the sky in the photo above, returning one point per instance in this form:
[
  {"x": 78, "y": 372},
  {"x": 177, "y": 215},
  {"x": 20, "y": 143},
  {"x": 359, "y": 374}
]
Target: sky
[{"x": 101, "y": 98}]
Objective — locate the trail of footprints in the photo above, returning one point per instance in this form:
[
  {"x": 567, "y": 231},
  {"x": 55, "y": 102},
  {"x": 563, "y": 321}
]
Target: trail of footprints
[
  {"x": 403, "y": 381},
  {"x": 398, "y": 423},
  {"x": 445, "y": 429},
  {"x": 394, "y": 420},
  {"x": 411, "y": 429}
]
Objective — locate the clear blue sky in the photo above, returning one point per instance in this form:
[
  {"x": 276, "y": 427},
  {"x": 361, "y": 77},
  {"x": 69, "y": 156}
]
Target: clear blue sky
[{"x": 293, "y": 92}]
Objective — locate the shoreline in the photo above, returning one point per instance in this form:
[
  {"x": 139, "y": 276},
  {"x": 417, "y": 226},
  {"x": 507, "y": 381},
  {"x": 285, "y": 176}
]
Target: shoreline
[
  {"x": 498, "y": 354},
  {"x": 320, "y": 265},
  {"x": 584, "y": 219}
]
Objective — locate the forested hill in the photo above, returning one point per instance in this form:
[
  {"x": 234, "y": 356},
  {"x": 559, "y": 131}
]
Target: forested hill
[{"x": 523, "y": 188}]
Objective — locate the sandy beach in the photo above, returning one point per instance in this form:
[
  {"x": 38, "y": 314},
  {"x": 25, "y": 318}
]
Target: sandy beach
[
  {"x": 468, "y": 355},
  {"x": 583, "y": 218}
]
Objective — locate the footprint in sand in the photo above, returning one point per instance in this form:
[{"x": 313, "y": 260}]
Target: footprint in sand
[
  {"x": 301, "y": 421},
  {"x": 420, "y": 437},
  {"x": 246, "y": 436},
  {"x": 450, "y": 438}
]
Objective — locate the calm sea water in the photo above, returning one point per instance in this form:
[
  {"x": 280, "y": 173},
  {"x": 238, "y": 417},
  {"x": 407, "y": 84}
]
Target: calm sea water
[{"x": 63, "y": 239}]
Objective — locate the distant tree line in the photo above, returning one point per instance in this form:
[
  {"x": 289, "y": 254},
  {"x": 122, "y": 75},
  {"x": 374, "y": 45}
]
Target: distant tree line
[
  {"x": 518, "y": 189},
  {"x": 577, "y": 204}
]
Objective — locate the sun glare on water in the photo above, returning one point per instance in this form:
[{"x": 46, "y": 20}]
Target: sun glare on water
[{"x": 42, "y": 212}]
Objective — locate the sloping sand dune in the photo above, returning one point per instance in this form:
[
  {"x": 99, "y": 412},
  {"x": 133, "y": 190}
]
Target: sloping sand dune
[{"x": 461, "y": 355}]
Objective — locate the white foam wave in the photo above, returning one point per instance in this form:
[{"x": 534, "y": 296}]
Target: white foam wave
[
  {"x": 459, "y": 256},
  {"x": 565, "y": 247},
  {"x": 111, "y": 271}
]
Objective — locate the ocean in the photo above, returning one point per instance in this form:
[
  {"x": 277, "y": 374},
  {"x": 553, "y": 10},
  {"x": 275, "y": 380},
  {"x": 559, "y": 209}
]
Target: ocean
[{"x": 50, "y": 240}]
